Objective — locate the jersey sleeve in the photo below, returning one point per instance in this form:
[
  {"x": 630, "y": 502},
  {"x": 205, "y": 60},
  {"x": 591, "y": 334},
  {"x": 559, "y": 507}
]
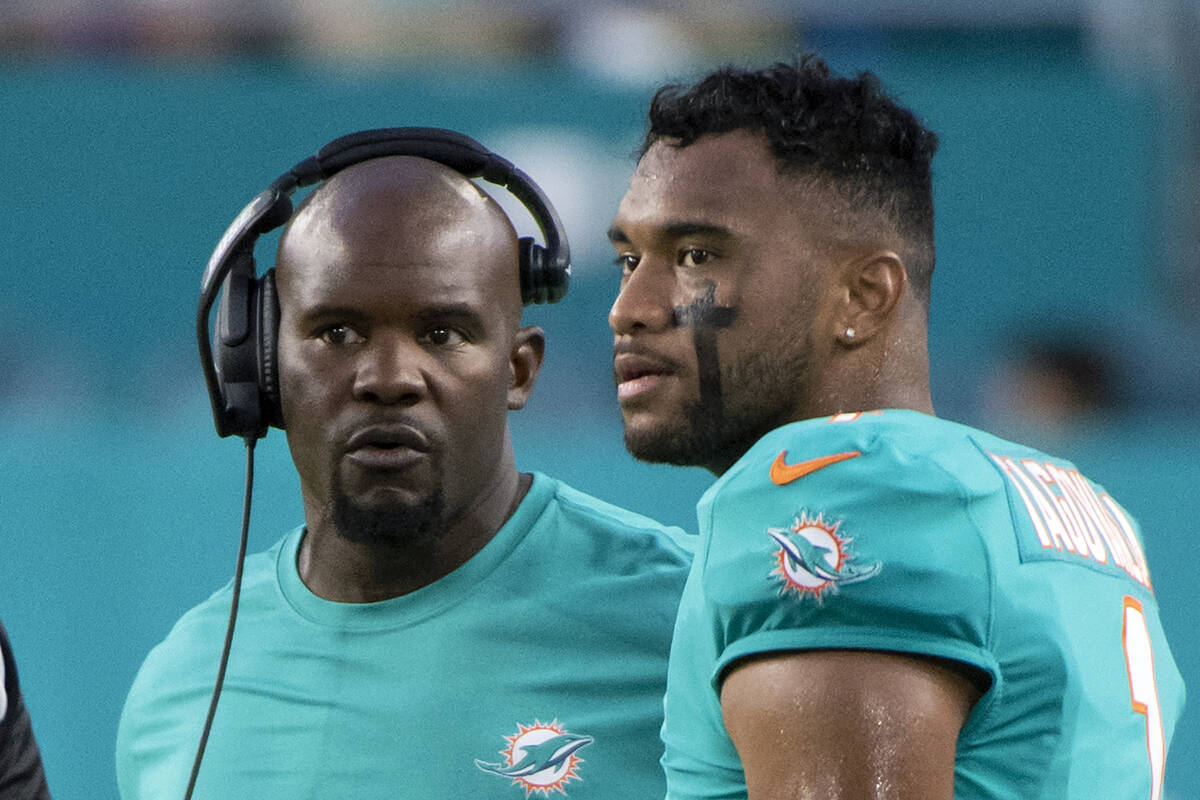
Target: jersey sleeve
[{"x": 876, "y": 551}]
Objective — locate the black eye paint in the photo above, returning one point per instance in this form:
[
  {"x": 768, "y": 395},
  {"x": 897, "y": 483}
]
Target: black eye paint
[
  {"x": 703, "y": 312},
  {"x": 704, "y": 317}
]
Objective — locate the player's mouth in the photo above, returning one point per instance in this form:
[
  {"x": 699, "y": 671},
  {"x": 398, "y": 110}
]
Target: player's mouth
[
  {"x": 638, "y": 373},
  {"x": 387, "y": 446}
]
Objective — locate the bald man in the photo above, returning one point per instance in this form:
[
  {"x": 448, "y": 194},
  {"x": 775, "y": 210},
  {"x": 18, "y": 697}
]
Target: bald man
[{"x": 441, "y": 625}]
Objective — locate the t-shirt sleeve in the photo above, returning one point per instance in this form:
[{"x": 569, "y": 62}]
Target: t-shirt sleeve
[
  {"x": 21, "y": 774},
  {"x": 877, "y": 552}
]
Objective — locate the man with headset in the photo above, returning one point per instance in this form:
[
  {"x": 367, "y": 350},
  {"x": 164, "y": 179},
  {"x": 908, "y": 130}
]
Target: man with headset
[
  {"x": 441, "y": 625},
  {"x": 21, "y": 774}
]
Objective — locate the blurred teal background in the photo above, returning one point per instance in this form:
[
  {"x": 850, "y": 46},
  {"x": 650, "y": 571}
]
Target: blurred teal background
[{"x": 1067, "y": 215}]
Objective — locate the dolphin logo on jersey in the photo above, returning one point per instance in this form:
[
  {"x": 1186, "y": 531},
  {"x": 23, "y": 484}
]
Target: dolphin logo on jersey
[
  {"x": 540, "y": 758},
  {"x": 812, "y": 558}
]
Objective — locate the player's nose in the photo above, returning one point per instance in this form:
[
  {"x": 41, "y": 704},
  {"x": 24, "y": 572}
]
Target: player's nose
[{"x": 644, "y": 302}]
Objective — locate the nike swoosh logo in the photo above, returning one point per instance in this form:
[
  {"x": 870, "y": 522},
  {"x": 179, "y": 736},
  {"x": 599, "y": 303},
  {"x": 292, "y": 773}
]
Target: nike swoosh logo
[{"x": 783, "y": 472}]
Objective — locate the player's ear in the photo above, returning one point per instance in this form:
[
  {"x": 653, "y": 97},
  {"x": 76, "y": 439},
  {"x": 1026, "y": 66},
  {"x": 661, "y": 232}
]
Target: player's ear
[
  {"x": 875, "y": 283},
  {"x": 525, "y": 362}
]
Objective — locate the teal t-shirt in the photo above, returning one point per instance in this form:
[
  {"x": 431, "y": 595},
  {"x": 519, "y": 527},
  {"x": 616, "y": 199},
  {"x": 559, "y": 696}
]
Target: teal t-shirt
[
  {"x": 535, "y": 669},
  {"x": 897, "y": 531}
]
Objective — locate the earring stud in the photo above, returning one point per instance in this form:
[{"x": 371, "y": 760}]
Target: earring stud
[{"x": 849, "y": 333}]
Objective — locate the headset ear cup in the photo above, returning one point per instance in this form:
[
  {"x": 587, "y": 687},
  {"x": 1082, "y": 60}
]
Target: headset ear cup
[
  {"x": 542, "y": 281},
  {"x": 268, "y": 350},
  {"x": 531, "y": 255}
]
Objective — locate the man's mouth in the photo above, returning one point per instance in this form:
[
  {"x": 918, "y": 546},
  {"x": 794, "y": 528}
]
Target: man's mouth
[
  {"x": 387, "y": 446},
  {"x": 636, "y": 374}
]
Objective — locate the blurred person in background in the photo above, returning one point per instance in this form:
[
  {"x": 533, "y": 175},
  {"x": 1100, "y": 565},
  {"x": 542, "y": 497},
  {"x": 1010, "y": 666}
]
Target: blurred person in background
[
  {"x": 883, "y": 604},
  {"x": 1051, "y": 384},
  {"x": 442, "y": 625},
  {"x": 21, "y": 774}
]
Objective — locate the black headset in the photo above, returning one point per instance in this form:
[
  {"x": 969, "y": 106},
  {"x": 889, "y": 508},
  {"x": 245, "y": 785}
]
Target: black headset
[{"x": 242, "y": 371}]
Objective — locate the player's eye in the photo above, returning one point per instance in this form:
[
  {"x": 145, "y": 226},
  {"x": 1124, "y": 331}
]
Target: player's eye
[
  {"x": 695, "y": 257},
  {"x": 339, "y": 335}
]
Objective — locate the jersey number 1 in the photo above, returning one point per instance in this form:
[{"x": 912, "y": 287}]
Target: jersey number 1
[{"x": 1143, "y": 691}]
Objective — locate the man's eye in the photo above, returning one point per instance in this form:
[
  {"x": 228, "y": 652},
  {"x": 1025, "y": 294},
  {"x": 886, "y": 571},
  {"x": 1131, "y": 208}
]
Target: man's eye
[
  {"x": 627, "y": 262},
  {"x": 443, "y": 337},
  {"x": 694, "y": 257},
  {"x": 341, "y": 335}
]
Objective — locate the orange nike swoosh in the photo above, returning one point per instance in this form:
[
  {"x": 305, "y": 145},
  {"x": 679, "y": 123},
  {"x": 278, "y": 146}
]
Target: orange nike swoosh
[{"x": 782, "y": 472}]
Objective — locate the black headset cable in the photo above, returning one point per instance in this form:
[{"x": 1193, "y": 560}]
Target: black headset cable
[{"x": 233, "y": 609}]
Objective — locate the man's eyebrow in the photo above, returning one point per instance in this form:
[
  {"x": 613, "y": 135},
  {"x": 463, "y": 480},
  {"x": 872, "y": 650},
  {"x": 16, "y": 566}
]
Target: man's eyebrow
[
  {"x": 615, "y": 234},
  {"x": 452, "y": 311},
  {"x": 322, "y": 312},
  {"x": 449, "y": 311},
  {"x": 678, "y": 229}
]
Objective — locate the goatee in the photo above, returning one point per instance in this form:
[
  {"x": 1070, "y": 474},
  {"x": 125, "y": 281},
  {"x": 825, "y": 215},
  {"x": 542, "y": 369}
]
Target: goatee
[{"x": 400, "y": 526}]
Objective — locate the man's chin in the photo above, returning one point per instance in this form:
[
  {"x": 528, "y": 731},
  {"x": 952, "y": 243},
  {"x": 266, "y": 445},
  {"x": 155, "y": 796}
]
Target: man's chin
[
  {"x": 390, "y": 521},
  {"x": 702, "y": 440},
  {"x": 662, "y": 447}
]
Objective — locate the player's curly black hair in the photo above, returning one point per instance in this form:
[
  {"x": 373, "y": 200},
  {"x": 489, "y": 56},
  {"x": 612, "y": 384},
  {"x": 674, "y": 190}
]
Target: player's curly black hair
[{"x": 846, "y": 130}]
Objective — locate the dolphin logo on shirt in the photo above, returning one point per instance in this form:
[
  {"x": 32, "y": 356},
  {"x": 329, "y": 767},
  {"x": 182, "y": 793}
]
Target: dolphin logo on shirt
[
  {"x": 547, "y": 756},
  {"x": 813, "y": 558},
  {"x": 541, "y": 758},
  {"x": 809, "y": 556}
]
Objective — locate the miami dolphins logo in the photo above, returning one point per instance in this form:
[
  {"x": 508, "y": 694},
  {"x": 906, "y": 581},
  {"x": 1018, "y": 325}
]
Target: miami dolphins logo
[
  {"x": 540, "y": 758},
  {"x": 812, "y": 558}
]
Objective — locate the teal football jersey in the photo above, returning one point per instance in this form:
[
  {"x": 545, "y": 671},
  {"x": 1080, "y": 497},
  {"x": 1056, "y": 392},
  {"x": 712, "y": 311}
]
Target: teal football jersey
[
  {"x": 535, "y": 669},
  {"x": 897, "y": 531}
]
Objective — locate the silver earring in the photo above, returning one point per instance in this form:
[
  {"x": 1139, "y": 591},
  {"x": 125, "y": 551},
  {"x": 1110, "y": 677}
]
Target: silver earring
[{"x": 849, "y": 334}]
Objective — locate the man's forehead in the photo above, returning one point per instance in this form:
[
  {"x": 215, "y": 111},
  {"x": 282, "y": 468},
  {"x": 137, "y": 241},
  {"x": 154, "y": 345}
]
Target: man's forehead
[
  {"x": 385, "y": 289},
  {"x": 388, "y": 237},
  {"x": 716, "y": 179}
]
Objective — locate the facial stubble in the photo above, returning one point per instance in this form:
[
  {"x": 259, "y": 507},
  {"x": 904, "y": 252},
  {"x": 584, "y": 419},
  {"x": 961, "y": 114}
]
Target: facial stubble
[{"x": 736, "y": 404}]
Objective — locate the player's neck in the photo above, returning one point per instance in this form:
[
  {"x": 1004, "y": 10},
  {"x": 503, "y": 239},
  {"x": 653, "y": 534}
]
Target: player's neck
[
  {"x": 890, "y": 371},
  {"x": 909, "y": 394}
]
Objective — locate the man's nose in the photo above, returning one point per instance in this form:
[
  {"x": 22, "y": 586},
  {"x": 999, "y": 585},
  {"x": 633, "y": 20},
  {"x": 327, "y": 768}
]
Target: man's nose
[
  {"x": 390, "y": 371},
  {"x": 644, "y": 302}
]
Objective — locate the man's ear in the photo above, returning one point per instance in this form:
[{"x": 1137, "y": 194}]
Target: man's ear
[
  {"x": 874, "y": 285},
  {"x": 525, "y": 362}
]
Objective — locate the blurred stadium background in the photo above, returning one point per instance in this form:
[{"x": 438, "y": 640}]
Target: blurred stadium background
[{"x": 1066, "y": 296}]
